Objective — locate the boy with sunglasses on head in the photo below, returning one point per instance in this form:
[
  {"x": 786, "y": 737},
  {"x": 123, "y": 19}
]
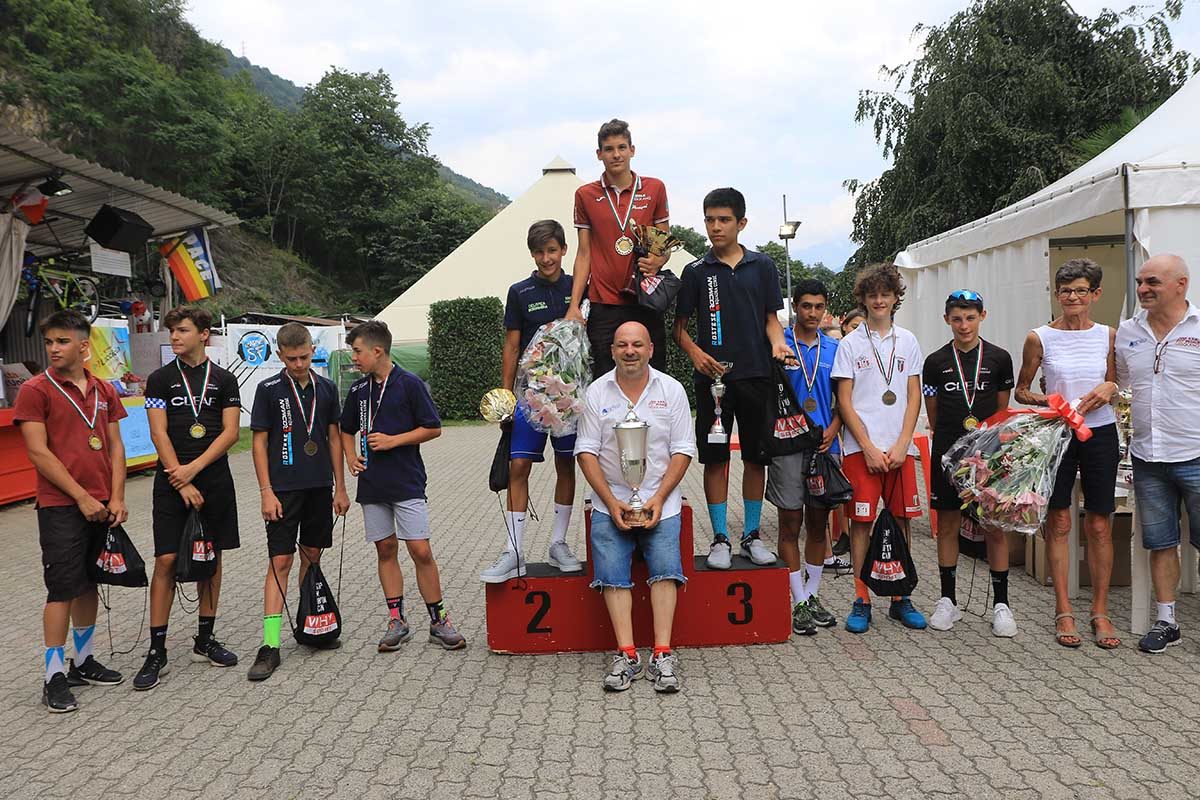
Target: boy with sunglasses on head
[{"x": 964, "y": 382}]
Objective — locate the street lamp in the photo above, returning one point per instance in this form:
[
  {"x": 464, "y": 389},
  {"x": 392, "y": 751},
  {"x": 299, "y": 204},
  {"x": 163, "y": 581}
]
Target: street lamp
[{"x": 787, "y": 232}]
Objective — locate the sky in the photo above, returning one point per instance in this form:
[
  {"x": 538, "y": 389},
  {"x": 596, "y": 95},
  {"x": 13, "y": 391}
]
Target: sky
[{"x": 759, "y": 95}]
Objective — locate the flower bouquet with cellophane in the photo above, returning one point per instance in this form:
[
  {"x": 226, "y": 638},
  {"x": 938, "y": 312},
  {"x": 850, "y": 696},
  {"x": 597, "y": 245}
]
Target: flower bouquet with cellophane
[
  {"x": 552, "y": 376},
  {"x": 1004, "y": 473}
]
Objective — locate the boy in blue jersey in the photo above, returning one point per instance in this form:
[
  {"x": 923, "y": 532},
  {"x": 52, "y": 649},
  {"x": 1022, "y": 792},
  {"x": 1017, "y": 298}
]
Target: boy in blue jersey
[
  {"x": 786, "y": 487},
  {"x": 541, "y": 298}
]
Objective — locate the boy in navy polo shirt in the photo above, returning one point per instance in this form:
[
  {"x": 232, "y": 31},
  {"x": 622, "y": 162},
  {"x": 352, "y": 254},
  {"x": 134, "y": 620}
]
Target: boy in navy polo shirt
[
  {"x": 69, "y": 421},
  {"x": 298, "y": 462},
  {"x": 541, "y": 298},
  {"x": 786, "y": 479},
  {"x": 387, "y": 415},
  {"x": 734, "y": 293}
]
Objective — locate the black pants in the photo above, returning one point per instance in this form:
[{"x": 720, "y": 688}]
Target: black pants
[{"x": 602, "y": 324}]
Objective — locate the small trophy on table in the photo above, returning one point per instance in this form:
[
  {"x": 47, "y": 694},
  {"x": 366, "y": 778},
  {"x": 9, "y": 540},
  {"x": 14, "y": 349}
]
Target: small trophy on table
[
  {"x": 648, "y": 241},
  {"x": 632, "y": 434},
  {"x": 717, "y": 433}
]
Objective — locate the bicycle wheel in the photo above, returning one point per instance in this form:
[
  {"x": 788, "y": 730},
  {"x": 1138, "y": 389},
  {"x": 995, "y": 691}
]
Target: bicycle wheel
[
  {"x": 31, "y": 312},
  {"x": 85, "y": 298}
]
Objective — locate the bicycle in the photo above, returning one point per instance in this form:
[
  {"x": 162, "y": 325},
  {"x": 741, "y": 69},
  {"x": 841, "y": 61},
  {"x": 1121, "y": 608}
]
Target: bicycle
[{"x": 70, "y": 289}]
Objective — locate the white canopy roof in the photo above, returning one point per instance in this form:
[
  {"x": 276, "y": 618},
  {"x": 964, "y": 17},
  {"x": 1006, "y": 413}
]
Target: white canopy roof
[{"x": 495, "y": 257}]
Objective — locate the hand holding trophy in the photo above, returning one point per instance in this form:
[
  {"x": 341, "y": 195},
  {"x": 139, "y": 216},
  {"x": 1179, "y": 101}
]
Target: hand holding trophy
[
  {"x": 632, "y": 434},
  {"x": 648, "y": 241}
]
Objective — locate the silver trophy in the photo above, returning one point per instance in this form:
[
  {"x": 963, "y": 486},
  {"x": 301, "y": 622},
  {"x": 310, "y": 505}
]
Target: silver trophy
[
  {"x": 631, "y": 444},
  {"x": 717, "y": 433}
]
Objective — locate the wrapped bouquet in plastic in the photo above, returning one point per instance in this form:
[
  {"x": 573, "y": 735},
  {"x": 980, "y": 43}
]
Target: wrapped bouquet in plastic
[
  {"x": 1004, "y": 473},
  {"x": 552, "y": 376}
]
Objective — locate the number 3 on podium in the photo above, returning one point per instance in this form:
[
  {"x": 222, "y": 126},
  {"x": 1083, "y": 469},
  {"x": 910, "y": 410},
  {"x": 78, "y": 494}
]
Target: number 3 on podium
[{"x": 744, "y": 612}]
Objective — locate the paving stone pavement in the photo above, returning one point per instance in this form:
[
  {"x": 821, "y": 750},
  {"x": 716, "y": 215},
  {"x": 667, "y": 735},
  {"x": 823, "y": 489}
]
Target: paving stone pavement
[{"x": 894, "y": 713}]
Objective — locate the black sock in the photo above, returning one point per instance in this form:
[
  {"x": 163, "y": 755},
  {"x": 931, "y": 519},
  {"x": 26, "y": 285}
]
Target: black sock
[
  {"x": 436, "y": 611},
  {"x": 206, "y": 628},
  {"x": 948, "y": 577},
  {"x": 158, "y": 638},
  {"x": 999, "y": 587}
]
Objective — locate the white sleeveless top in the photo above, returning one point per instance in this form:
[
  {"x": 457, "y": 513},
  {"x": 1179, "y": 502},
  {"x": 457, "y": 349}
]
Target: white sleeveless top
[{"x": 1074, "y": 363}]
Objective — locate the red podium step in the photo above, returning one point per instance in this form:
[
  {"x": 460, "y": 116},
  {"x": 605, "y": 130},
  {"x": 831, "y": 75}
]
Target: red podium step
[{"x": 549, "y": 612}]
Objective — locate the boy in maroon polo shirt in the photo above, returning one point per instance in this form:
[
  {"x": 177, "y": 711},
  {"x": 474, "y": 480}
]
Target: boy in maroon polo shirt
[
  {"x": 605, "y": 213},
  {"x": 68, "y": 419}
]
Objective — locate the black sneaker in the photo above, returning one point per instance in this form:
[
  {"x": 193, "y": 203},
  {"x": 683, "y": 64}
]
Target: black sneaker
[
  {"x": 802, "y": 621},
  {"x": 56, "y": 695},
  {"x": 213, "y": 652},
  {"x": 821, "y": 617},
  {"x": 147, "y": 677},
  {"x": 92, "y": 671},
  {"x": 1160, "y": 637},
  {"x": 842, "y": 546},
  {"x": 265, "y": 663}
]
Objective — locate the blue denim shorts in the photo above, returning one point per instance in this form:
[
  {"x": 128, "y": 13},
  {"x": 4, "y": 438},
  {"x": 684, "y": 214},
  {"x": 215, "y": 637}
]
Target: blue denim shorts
[
  {"x": 612, "y": 552},
  {"x": 1160, "y": 489}
]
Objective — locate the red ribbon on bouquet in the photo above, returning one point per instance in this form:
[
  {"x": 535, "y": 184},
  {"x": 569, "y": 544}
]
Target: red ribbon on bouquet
[{"x": 1059, "y": 408}]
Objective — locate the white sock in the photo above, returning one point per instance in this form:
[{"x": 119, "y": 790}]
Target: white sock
[
  {"x": 814, "y": 578},
  {"x": 562, "y": 521},
  {"x": 514, "y": 541},
  {"x": 1166, "y": 612},
  {"x": 54, "y": 662},
  {"x": 796, "y": 581},
  {"x": 82, "y": 638}
]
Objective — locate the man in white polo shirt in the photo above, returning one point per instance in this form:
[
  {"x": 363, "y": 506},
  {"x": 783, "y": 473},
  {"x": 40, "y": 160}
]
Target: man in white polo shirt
[
  {"x": 1158, "y": 356},
  {"x": 658, "y": 399}
]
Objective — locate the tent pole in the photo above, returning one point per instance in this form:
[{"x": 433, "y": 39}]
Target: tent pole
[{"x": 1130, "y": 268}]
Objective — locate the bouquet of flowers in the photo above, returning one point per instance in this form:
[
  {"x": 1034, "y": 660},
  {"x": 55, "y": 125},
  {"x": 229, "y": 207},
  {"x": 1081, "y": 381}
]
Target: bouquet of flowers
[
  {"x": 1005, "y": 473},
  {"x": 552, "y": 376}
]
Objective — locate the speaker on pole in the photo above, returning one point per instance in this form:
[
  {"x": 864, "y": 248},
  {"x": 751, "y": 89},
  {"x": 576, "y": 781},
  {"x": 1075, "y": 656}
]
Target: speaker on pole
[{"x": 119, "y": 229}]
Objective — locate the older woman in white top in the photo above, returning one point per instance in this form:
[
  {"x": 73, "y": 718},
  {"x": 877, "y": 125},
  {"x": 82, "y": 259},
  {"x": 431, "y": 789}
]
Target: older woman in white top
[{"x": 1075, "y": 355}]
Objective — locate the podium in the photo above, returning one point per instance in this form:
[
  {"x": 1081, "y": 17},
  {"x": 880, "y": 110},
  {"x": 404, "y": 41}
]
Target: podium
[{"x": 548, "y": 611}]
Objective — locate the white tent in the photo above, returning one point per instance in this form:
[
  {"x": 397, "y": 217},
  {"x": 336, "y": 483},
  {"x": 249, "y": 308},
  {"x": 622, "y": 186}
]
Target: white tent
[
  {"x": 1141, "y": 196},
  {"x": 495, "y": 257}
]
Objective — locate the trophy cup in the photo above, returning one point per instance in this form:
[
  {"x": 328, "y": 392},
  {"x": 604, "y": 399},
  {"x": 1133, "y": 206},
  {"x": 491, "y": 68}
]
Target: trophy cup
[
  {"x": 648, "y": 241},
  {"x": 498, "y": 405},
  {"x": 631, "y": 444},
  {"x": 717, "y": 433}
]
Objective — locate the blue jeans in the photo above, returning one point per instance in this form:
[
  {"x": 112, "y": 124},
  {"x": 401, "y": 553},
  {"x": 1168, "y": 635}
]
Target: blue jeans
[
  {"x": 1160, "y": 488},
  {"x": 612, "y": 552}
]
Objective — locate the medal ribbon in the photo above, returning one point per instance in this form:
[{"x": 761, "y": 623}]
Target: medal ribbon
[
  {"x": 370, "y": 413},
  {"x": 887, "y": 375},
  {"x": 95, "y": 403},
  {"x": 203, "y": 387},
  {"x": 969, "y": 397},
  {"x": 808, "y": 382},
  {"x": 637, "y": 185},
  {"x": 311, "y": 417}
]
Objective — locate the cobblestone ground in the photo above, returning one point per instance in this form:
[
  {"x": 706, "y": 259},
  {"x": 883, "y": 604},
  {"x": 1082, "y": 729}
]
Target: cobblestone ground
[{"x": 894, "y": 713}]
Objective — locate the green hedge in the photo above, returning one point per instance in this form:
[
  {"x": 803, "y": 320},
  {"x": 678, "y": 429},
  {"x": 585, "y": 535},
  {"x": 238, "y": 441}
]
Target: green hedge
[
  {"x": 466, "y": 343},
  {"x": 679, "y": 366}
]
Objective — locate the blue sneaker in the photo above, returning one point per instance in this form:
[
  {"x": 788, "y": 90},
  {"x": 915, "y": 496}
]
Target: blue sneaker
[
  {"x": 860, "y": 617},
  {"x": 904, "y": 612}
]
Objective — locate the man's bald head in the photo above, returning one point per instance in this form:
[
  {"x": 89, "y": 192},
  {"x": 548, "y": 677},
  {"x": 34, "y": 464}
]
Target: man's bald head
[
  {"x": 631, "y": 349},
  {"x": 632, "y": 328},
  {"x": 1162, "y": 284}
]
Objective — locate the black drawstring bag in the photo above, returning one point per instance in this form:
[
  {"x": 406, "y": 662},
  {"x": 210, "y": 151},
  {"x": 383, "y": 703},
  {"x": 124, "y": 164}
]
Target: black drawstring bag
[
  {"x": 788, "y": 429},
  {"x": 114, "y": 561},
  {"x": 888, "y": 569},
  {"x": 827, "y": 486},
  {"x": 498, "y": 477},
  {"x": 658, "y": 291},
  {"x": 197, "y": 558},
  {"x": 318, "y": 621}
]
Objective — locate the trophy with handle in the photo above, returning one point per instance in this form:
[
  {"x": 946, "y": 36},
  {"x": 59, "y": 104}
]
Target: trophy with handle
[
  {"x": 648, "y": 241},
  {"x": 632, "y": 434},
  {"x": 717, "y": 433}
]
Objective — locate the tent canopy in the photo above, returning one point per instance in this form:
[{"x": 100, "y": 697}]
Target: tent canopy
[{"x": 495, "y": 256}]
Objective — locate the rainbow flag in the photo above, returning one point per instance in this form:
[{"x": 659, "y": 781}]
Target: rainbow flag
[{"x": 192, "y": 264}]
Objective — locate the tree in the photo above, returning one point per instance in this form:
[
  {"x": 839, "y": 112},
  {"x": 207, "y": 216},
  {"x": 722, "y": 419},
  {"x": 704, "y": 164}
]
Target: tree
[
  {"x": 693, "y": 241},
  {"x": 997, "y": 95}
]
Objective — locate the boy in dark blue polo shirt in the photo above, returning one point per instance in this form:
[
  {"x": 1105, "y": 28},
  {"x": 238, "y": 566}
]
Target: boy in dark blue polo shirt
[
  {"x": 541, "y": 298},
  {"x": 387, "y": 415},
  {"x": 298, "y": 462},
  {"x": 734, "y": 294}
]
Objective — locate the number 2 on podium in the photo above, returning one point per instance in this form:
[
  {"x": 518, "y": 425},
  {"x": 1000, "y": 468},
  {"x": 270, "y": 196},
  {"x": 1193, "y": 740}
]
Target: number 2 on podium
[{"x": 542, "y": 600}]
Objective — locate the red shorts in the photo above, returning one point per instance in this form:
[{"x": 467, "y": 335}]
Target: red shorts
[{"x": 897, "y": 488}]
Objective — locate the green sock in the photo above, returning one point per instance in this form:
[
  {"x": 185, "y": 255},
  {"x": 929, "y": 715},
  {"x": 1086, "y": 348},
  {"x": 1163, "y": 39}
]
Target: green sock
[{"x": 271, "y": 627}]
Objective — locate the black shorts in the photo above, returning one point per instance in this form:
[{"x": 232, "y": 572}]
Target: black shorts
[
  {"x": 603, "y": 321},
  {"x": 308, "y": 512},
  {"x": 942, "y": 494},
  {"x": 747, "y": 400},
  {"x": 219, "y": 512},
  {"x": 66, "y": 537},
  {"x": 1096, "y": 462}
]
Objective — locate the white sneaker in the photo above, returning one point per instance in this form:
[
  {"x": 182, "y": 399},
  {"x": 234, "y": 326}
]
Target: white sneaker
[
  {"x": 562, "y": 558},
  {"x": 505, "y": 568},
  {"x": 945, "y": 614},
  {"x": 1003, "y": 623}
]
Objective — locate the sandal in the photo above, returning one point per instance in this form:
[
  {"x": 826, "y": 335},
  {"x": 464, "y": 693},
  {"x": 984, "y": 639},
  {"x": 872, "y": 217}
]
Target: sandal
[
  {"x": 1105, "y": 642},
  {"x": 1071, "y": 640}
]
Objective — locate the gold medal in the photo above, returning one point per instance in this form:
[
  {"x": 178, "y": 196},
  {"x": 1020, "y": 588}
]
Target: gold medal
[
  {"x": 197, "y": 431},
  {"x": 970, "y": 423},
  {"x": 310, "y": 448},
  {"x": 624, "y": 246},
  {"x": 810, "y": 405},
  {"x": 94, "y": 442},
  {"x": 889, "y": 398}
]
